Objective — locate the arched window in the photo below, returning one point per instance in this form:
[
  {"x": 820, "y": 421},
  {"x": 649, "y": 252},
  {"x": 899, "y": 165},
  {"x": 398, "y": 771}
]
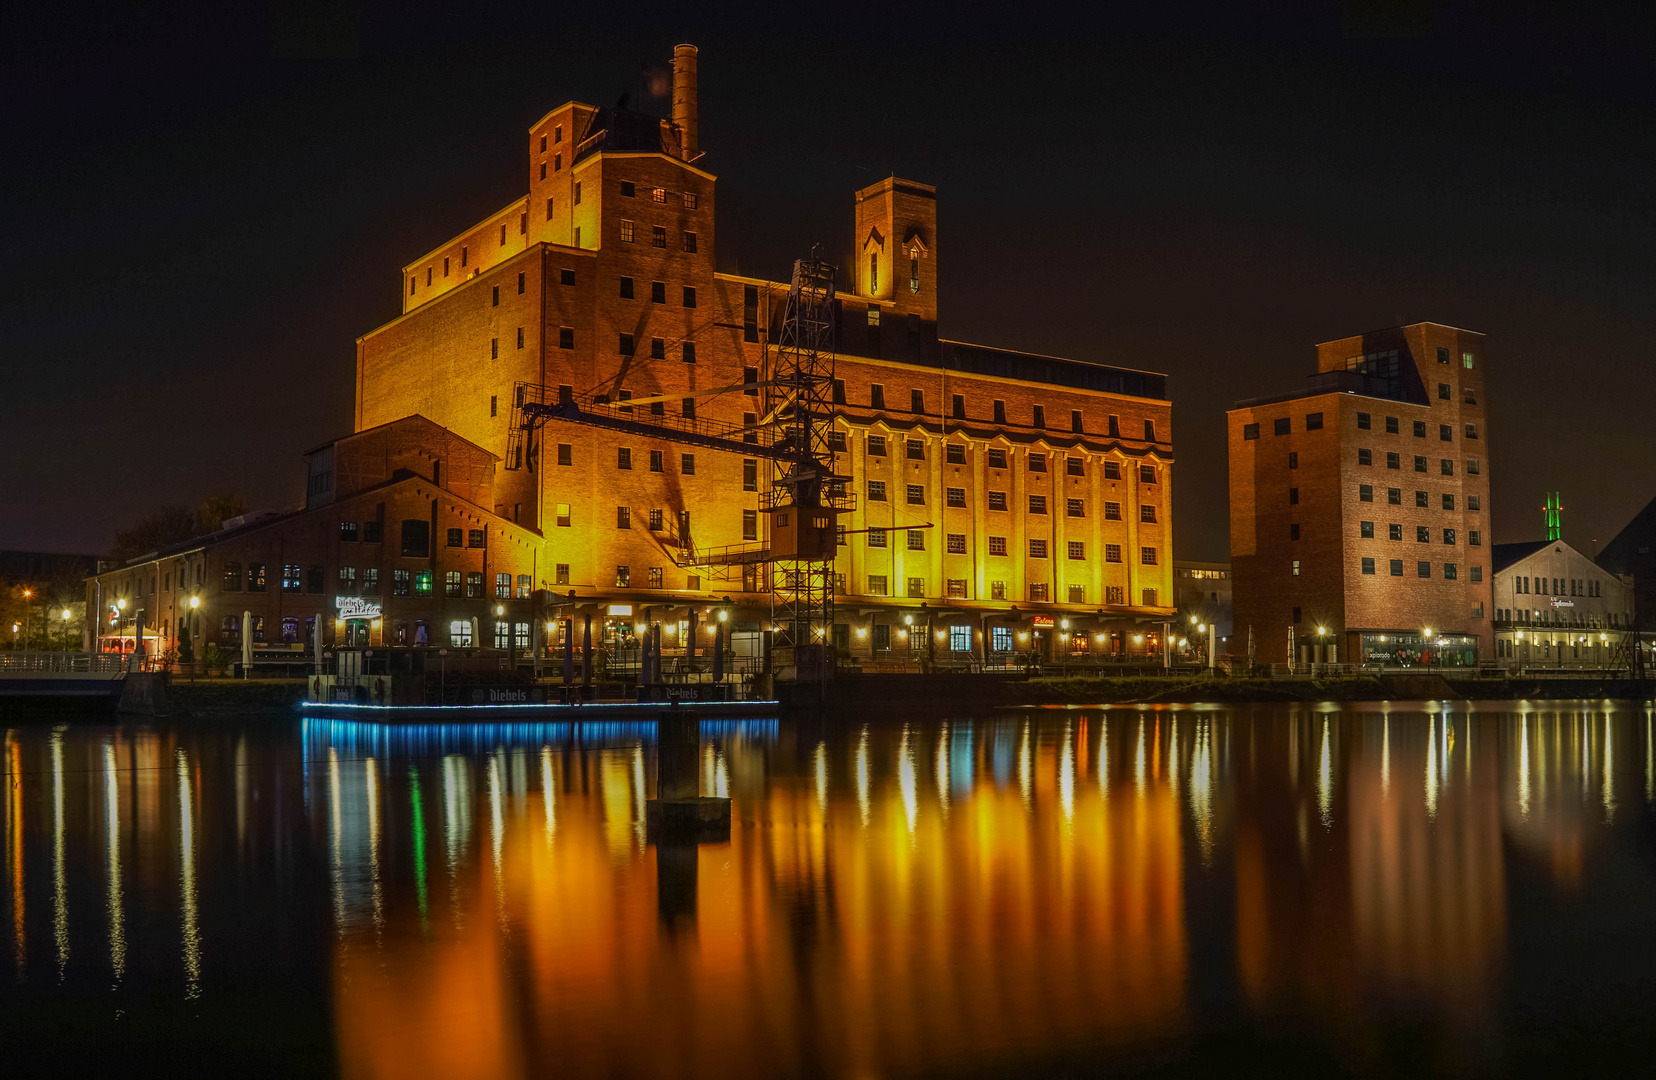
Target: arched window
[{"x": 873, "y": 272}]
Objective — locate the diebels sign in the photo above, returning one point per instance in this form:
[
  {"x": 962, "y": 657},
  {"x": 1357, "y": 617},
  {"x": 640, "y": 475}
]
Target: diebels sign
[{"x": 358, "y": 607}]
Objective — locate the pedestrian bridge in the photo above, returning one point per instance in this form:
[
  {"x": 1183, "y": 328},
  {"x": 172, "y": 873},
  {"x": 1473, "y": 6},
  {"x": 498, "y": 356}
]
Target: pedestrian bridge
[{"x": 61, "y": 674}]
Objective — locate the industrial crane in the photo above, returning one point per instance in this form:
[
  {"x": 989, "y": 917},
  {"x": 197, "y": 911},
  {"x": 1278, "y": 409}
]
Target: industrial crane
[{"x": 805, "y": 496}]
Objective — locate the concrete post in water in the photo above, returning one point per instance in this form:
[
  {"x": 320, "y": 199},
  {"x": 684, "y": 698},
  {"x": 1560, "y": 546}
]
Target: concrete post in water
[
  {"x": 1213, "y": 647},
  {"x": 247, "y": 641},
  {"x": 679, "y": 810}
]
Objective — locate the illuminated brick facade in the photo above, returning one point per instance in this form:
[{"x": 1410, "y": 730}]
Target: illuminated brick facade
[
  {"x": 1041, "y": 482},
  {"x": 1360, "y": 508}
]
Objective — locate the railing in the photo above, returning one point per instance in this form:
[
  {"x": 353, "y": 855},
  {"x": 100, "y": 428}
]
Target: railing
[{"x": 20, "y": 662}]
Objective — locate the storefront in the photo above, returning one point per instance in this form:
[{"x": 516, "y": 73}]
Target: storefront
[{"x": 1417, "y": 650}]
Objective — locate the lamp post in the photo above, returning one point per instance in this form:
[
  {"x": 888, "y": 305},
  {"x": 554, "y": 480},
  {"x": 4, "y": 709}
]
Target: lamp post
[
  {"x": 28, "y": 594},
  {"x": 67, "y": 614},
  {"x": 1426, "y": 648}
]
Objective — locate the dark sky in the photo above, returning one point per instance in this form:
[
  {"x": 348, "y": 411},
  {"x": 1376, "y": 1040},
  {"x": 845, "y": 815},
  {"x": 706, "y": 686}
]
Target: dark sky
[{"x": 197, "y": 228}]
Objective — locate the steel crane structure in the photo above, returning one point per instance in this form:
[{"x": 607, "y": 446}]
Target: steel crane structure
[{"x": 805, "y": 496}]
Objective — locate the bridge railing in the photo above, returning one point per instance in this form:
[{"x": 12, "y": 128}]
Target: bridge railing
[{"x": 35, "y": 662}]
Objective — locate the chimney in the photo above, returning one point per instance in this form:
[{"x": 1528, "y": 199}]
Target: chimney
[{"x": 684, "y": 97}]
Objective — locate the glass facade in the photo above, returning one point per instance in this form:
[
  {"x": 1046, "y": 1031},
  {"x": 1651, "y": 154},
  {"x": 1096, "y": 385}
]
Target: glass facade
[{"x": 1411, "y": 650}]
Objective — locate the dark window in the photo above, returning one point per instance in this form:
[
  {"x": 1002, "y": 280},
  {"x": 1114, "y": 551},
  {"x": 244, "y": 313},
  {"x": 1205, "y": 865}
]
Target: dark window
[
  {"x": 1075, "y": 420},
  {"x": 626, "y": 288},
  {"x": 625, "y": 345},
  {"x": 314, "y": 580},
  {"x": 1293, "y": 532},
  {"x": 1391, "y": 425},
  {"x": 956, "y": 496},
  {"x": 1037, "y": 462},
  {"x": 1395, "y": 531},
  {"x": 1147, "y": 474},
  {"x": 1448, "y": 501},
  {"x": 1420, "y": 429},
  {"x": 1365, "y": 457},
  {"x": 566, "y": 277},
  {"x": 997, "y": 500},
  {"x": 957, "y": 407},
  {"x": 658, "y": 292},
  {"x": 1423, "y": 569},
  {"x": 1366, "y": 529},
  {"x": 1449, "y": 536},
  {"x": 494, "y": 296},
  {"x": 1423, "y": 534},
  {"x": 1443, "y": 391},
  {"x": 1394, "y": 496},
  {"x": 1038, "y": 417},
  {"x": 876, "y": 396},
  {"x": 999, "y": 412},
  {"x": 917, "y": 401},
  {"x": 876, "y": 446},
  {"x": 750, "y": 381},
  {"x": 1396, "y": 567},
  {"x": 1420, "y": 463},
  {"x": 1282, "y": 425},
  {"x": 416, "y": 539},
  {"x": 1293, "y": 496},
  {"x": 655, "y": 460},
  {"x": 1394, "y": 460},
  {"x": 371, "y": 531},
  {"x": 916, "y": 449},
  {"x": 955, "y": 453},
  {"x": 750, "y": 475},
  {"x": 1365, "y": 492},
  {"x": 689, "y": 352},
  {"x": 456, "y": 538},
  {"x": 687, "y": 464},
  {"x": 565, "y": 454},
  {"x": 1037, "y": 504},
  {"x": 1448, "y": 467},
  {"x": 1075, "y": 467},
  {"x": 658, "y": 237},
  {"x": 689, "y": 296},
  {"x": 623, "y": 457},
  {"x": 627, "y": 189},
  {"x": 1249, "y": 431},
  {"x": 997, "y": 457},
  {"x": 566, "y": 337},
  {"x": 348, "y": 531},
  {"x": 1363, "y": 421},
  {"x": 1368, "y": 566},
  {"x": 658, "y": 349},
  {"x": 690, "y": 242},
  {"x": 1313, "y": 421},
  {"x": 1446, "y": 433}
]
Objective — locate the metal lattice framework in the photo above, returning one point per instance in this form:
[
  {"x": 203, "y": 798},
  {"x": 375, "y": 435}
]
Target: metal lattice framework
[
  {"x": 805, "y": 496},
  {"x": 800, "y": 394}
]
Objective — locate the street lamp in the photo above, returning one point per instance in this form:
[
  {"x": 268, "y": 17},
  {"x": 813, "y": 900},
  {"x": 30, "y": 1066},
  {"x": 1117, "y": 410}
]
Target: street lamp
[
  {"x": 1426, "y": 648},
  {"x": 66, "y": 617}
]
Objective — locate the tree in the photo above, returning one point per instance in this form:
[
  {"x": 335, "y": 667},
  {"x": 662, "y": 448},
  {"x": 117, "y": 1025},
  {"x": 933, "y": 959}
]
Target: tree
[{"x": 171, "y": 525}]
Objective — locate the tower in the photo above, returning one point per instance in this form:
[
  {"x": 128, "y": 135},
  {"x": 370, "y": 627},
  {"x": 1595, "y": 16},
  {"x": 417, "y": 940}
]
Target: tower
[
  {"x": 1554, "y": 512},
  {"x": 896, "y": 248}
]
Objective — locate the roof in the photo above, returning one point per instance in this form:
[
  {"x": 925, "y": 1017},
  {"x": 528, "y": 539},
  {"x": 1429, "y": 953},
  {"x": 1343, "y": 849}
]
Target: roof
[
  {"x": 624, "y": 131},
  {"x": 1619, "y": 554},
  {"x": 1504, "y": 555}
]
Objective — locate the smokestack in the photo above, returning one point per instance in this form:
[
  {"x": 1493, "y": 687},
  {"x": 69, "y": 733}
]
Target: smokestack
[{"x": 684, "y": 97}]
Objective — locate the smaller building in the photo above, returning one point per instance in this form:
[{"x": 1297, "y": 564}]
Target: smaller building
[
  {"x": 396, "y": 547},
  {"x": 1203, "y": 592},
  {"x": 1555, "y": 607}
]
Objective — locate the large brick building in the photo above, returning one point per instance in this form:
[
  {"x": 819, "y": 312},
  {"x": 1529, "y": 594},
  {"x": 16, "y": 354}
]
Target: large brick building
[
  {"x": 1024, "y": 499},
  {"x": 1360, "y": 506}
]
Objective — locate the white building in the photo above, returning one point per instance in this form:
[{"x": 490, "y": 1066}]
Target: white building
[{"x": 1555, "y": 607}]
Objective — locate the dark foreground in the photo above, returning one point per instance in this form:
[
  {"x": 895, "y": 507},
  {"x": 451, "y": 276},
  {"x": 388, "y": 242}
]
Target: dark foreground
[{"x": 1270, "y": 889}]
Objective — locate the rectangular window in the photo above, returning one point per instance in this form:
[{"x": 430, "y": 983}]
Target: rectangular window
[
  {"x": 658, "y": 236},
  {"x": 1313, "y": 421},
  {"x": 1037, "y": 462},
  {"x": 1474, "y": 538},
  {"x": 1391, "y": 425},
  {"x": 916, "y": 586},
  {"x": 1365, "y": 457},
  {"x": 451, "y": 583},
  {"x": 690, "y": 243},
  {"x": 1443, "y": 391},
  {"x": 1112, "y": 470},
  {"x": 1423, "y": 569},
  {"x": 627, "y": 238},
  {"x": 1147, "y": 513},
  {"x": 1294, "y": 568},
  {"x": 1112, "y": 553},
  {"x": 876, "y": 491},
  {"x": 1293, "y": 496},
  {"x": 1466, "y": 360},
  {"x": 957, "y": 544},
  {"x": 655, "y": 520},
  {"x": 1038, "y": 591},
  {"x": 1397, "y": 568},
  {"x": 1471, "y": 431},
  {"x": 1449, "y": 571},
  {"x": 1112, "y": 511},
  {"x": 960, "y": 637},
  {"x": 1293, "y": 532},
  {"x": 1075, "y": 466},
  {"x": 562, "y": 515},
  {"x": 1038, "y": 416},
  {"x": 1448, "y": 466},
  {"x": 1249, "y": 431},
  {"x": 1423, "y": 534},
  {"x": 399, "y": 582},
  {"x": 1395, "y": 531},
  {"x": 876, "y": 538},
  {"x": 997, "y": 500},
  {"x": 997, "y": 545},
  {"x": 1420, "y": 429},
  {"x": 1471, "y": 466},
  {"x": 1446, "y": 433},
  {"x": 687, "y": 464},
  {"x": 1075, "y": 508},
  {"x": 999, "y": 411},
  {"x": 916, "y": 449},
  {"x": 876, "y": 446},
  {"x": 1394, "y": 496},
  {"x": 997, "y": 457},
  {"x": 1037, "y": 504},
  {"x": 1147, "y": 556},
  {"x": 1368, "y": 566},
  {"x": 917, "y": 539},
  {"x": 1037, "y": 549},
  {"x": 955, "y": 454},
  {"x": 1477, "y": 573},
  {"x": 566, "y": 337},
  {"x": 917, "y": 401},
  {"x": 1449, "y": 536},
  {"x": 1281, "y": 426},
  {"x": 750, "y": 524},
  {"x": 1075, "y": 420},
  {"x": 623, "y": 577},
  {"x": 956, "y": 496},
  {"x": 1147, "y": 474},
  {"x": 917, "y": 494},
  {"x": 1365, "y": 529},
  {"x": 1077, "y": 549},
  {"x": 1394, "y": 461},
  {"x": 689, "y": 296}
]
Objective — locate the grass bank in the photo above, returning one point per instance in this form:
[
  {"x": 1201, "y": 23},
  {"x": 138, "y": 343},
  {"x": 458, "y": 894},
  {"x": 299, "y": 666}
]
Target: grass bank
[{"x": 235, "y": 697}]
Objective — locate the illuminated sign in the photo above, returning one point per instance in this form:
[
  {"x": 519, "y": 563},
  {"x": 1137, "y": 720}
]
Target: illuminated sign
[
  {"x": 1562, "y": 603},
  {"x": 620, "y": 609},
  {"x": 358, "y": 607},
  {"x": 1041, "y": 622}
]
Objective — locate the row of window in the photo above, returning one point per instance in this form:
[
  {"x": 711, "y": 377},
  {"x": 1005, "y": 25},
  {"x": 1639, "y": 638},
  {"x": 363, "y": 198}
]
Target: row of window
[
  {"x": 295, "y": 578},
  {"x": 1607, "y": 619},
  {"x": 1423, "y": 533},
  {"x": 995, "y": 457},
  {"x": 629, "y": 190},
  {"x": 1451, "y": 571},
  {"x": 658, "y": 236},
  {"x": 1576, "y": 586},
  {"x": 658, "y": 292},
  {"x": 1039, "y": 592},
  {"x": 955, "y": 544},
  {"x": 957, "y": 410},
  {"x": 1394, "y": 496},
  {"x": 954, "y": 496},
  {"x": 1395, "y": 461},
  {"x": 369, "y": 532},
  {"x": 1314, "y": 422}
]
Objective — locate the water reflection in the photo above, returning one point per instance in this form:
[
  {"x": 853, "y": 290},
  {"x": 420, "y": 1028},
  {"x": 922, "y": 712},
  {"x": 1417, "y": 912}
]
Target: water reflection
[{"x": 1074, "y": 887}]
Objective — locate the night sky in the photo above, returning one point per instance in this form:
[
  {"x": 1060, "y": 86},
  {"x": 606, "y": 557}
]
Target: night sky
[{"x": 202, "y": 210}]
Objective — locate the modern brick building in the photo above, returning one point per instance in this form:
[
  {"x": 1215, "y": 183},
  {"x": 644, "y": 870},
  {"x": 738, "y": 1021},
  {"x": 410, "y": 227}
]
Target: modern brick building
[
  {"x": 1360, "y": 506},
  {"x": 1007, "y": 492}
]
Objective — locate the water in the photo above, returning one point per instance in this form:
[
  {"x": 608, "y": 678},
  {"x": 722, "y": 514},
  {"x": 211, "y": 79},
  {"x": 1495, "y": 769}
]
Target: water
[{"x": 1384, "y": 890}]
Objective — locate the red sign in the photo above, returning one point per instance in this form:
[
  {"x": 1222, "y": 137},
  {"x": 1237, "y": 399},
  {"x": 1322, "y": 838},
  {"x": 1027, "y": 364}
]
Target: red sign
[{"x": 1041, "y": 622}]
